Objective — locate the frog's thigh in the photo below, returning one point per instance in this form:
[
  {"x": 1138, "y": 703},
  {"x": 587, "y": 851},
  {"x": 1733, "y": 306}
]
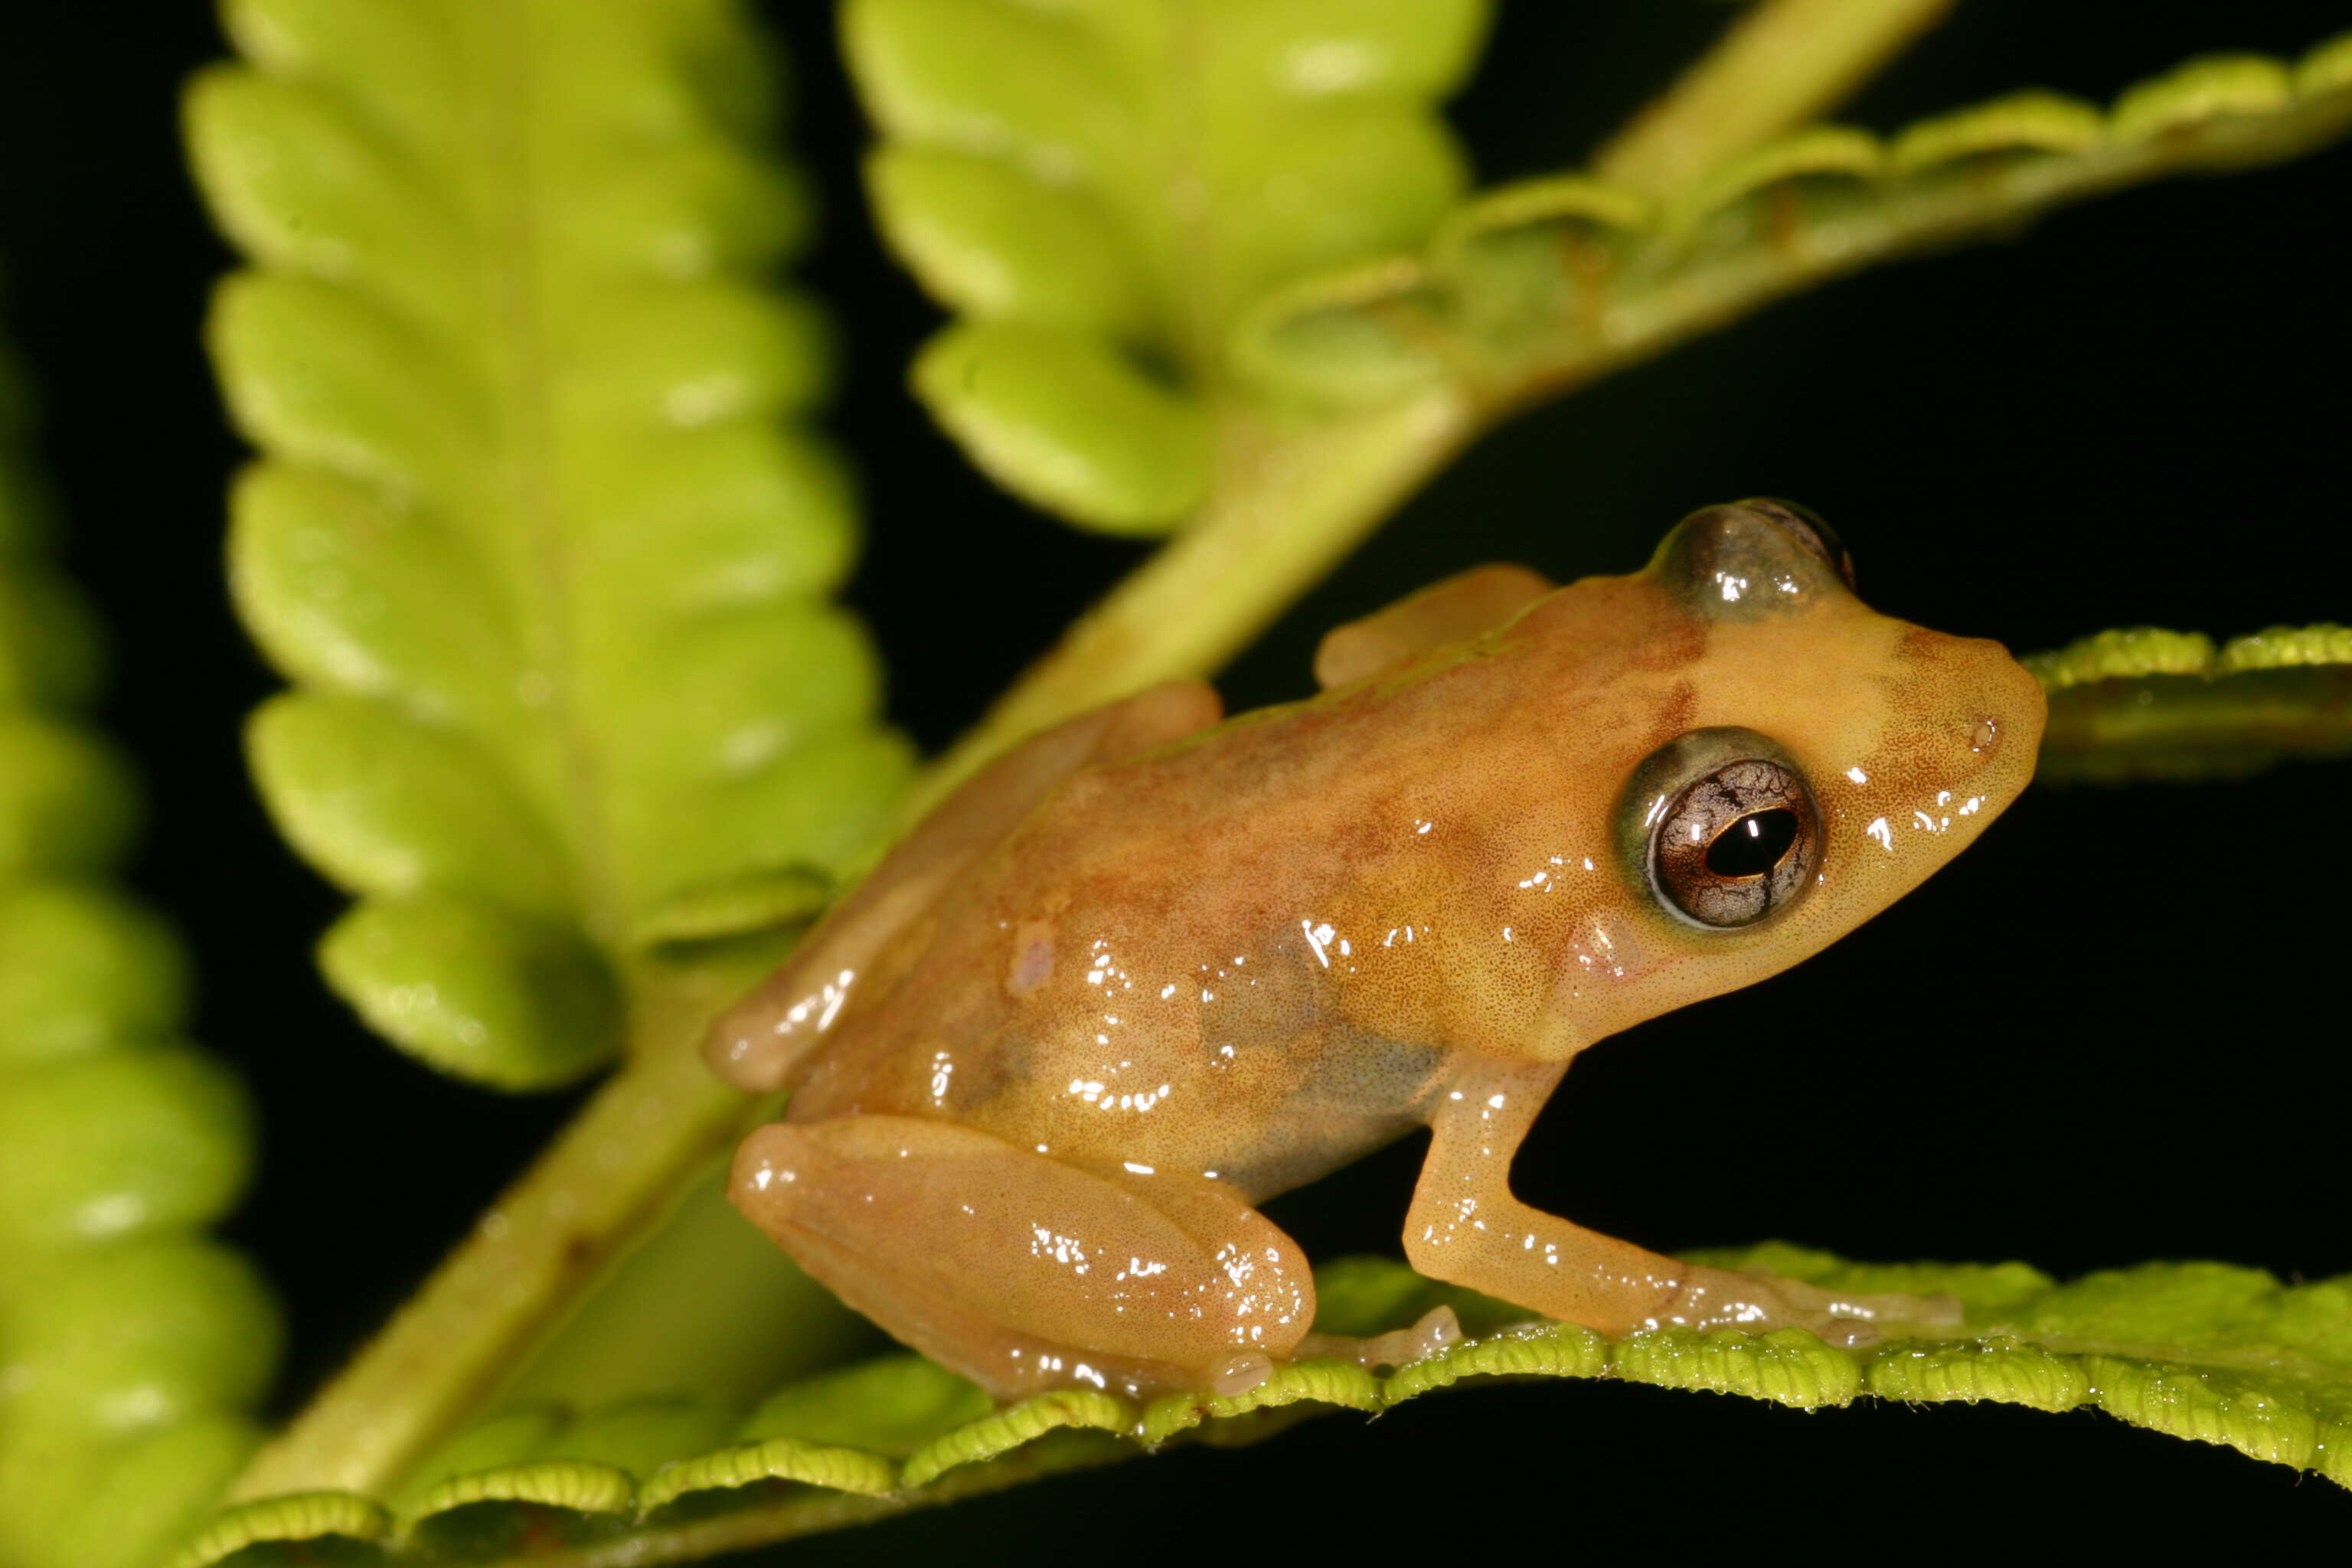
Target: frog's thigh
[
  {"x": 1023, "y": 1272},
  {"x": 1456, "y": 610}
]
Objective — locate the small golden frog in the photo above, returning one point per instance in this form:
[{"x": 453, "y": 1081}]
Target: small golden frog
[{"x": 1152, "y": 968}]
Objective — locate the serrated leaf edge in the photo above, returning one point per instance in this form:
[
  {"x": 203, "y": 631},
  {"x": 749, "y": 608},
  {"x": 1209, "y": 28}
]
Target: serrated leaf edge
[
  {"x": 2210, "y": 111},
  {"x": 2207, "y": 1401}
]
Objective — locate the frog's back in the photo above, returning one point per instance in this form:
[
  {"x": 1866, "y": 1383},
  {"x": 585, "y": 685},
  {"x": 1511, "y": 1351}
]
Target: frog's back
[{"x": 1151, "y": 967}]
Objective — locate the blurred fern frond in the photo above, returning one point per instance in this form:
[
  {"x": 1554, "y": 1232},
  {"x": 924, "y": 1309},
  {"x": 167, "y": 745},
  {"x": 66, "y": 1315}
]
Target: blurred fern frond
[
  {"x": 541, "y": 534},
  {"x": 132, "y": 1344}
]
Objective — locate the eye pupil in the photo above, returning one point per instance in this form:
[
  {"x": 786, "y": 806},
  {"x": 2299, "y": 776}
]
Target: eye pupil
[{"x": 1753, "y": 845}]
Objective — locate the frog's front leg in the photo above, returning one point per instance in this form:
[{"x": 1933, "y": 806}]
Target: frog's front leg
[
  {"x": 1026, "y": 1273},
  {"x": 1464, "y": 1227},
  {"x": 1453, "y": 611}
]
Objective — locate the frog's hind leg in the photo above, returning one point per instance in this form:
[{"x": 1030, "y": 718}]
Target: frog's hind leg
[
  {"x": 1456, "y": 610},
  {"x": 756, "y": 1044},
  {"x": 1024, "y": 1273}
]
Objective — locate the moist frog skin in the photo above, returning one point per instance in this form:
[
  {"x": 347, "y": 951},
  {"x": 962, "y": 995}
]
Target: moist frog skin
[{"x": 1156, "y": 966}]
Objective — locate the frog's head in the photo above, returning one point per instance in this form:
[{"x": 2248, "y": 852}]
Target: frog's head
[{"x": 1816, "y": 761}]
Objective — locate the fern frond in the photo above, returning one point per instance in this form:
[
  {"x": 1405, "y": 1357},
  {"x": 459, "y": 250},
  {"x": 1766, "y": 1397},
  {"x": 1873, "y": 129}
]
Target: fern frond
[
  {"x": 1533, "y": 287},
  {"x": 531, "y": 535},
  {"x": 132, "y": 1345},
  {"x": 2146, "y": 703},
  {"x": 1096, "y": 192},
  {"x": 542, "y": 538},
  {"x": 1351, "y": 387},
  {"x": 2200, "y": 1351}
]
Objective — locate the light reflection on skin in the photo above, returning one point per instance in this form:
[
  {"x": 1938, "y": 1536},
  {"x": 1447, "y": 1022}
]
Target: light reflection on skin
[{"x": 808, "y": 1015}]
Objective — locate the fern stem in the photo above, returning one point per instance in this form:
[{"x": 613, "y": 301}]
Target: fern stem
[
  {"x": 1784, "y": 63},
  {"x": 1287, "y": 507},
  {"x": 616, "y": 1171},
  {"x": 514, "y": 291}
]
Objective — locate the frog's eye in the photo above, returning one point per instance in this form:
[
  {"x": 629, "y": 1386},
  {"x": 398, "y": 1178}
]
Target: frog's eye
[
  {"x": 1750, "y": 559},
  {"x": 1810, "y": 530},
  {"x": 1735, "y": 844}
]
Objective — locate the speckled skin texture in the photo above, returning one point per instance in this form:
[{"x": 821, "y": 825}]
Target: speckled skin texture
[{"x": 1154, "y": 969}]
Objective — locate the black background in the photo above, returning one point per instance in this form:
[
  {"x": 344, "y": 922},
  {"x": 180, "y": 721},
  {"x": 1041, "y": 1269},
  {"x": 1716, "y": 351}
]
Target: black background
[{"x": 2114, "y": 1031}]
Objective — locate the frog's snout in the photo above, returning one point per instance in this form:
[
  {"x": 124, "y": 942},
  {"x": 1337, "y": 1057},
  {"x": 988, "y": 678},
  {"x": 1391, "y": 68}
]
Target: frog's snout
[
  {"x": 1992, "y": 711},
  {"x": 2012, "y": 711}
]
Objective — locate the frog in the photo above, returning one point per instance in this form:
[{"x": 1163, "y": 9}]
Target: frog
[{"x": 1157, "y": 965}]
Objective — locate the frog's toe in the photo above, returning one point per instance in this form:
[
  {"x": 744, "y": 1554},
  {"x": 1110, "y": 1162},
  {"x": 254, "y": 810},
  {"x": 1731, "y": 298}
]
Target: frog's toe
[
  {"x": 1242, "y": 1371},
  {"x": 1847, "y": 1334},
  {"x": 1436, "y": 1329},
  {"x": 1855, "y": 1320},
  {"x": 1432, "y": 1333},
  {"x": 1942, "y": 1310}
]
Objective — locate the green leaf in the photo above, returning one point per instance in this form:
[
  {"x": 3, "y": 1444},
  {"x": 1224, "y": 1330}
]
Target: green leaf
[
  {"x": 332, "y": 1528},
  {"x": 501, "y": 1513},
  {"x": 494, "y": 1444},
  {"x": 538, "y": 533},
  {"x": 117, "y": 1142},
  {"x": 481, "y": 992},
  {"x": 128, "y": 1345},
  {"x": 891, "y": 1406},
  {"x": 81, "y": 968},
  {"x": 2201, "y": 1351},
  {"x": 48, "y": 648},
  {"x": 346, "y": 592},
  {"x": 2023, "y": 125},
  {"x": 117, "y": 1340},
  {"x": 2147, "y": 703},
  {"x": 1343, "y": 390},
  {"x": 67, "y": 803},
  {"x": 528, "y": 529},
  {"x": 1101, "y": 189},
  {"x": 765, "y": 1464},
  {"x": 1535, "y": 287},
  {"x": 1363, "y": 1297},
  {"x": 1000, "y": 245},
  {"x": 750, "y": 903},
  {"x": 2219, "y": 87},
  {"x": 1068, "y": 422},
  {"x": 642, "y": 1435},
  {"x": 135, "y": 1500},
  {"x": 389, "y": 806}
]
